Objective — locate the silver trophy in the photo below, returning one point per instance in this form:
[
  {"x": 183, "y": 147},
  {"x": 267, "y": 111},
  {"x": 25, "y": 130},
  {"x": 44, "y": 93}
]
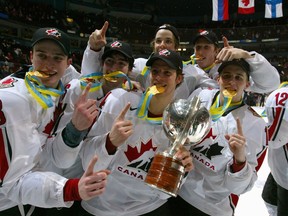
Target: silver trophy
[{"x": 185, "y": 123}]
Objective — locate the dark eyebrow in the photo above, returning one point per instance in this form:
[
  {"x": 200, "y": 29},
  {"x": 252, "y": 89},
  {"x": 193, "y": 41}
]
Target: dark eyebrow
[{"x": 41, "y": 51}]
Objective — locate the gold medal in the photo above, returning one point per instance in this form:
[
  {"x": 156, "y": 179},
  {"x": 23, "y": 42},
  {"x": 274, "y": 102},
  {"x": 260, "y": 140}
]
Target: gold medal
[
  {"x": 38, "y": 74},
  {"x": 110, "y": 78},
  {"x": 156, "y": 90},
  {"x": 229, "y": 93}
]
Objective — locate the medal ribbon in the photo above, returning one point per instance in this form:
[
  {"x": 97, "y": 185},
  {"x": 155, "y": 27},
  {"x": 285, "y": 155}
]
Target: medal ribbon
[
  {"x": 119, "y": 74},
  {"x": 142, "y": 111},
  {"x": 283, "y": 84},
  {"x": 192, "y": 60},
  {"x": 216, "y": 111},
  {"x": 207, "y": 69},
  {"x": 41, "y": 93},
  {"x": 145, "y": 71},
  {"x": 95, "y": 77}
]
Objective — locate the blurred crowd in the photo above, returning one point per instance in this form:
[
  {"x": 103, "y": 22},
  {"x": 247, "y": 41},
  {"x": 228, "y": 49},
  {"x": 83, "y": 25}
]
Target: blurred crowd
[{"x": 13, "y": 54}]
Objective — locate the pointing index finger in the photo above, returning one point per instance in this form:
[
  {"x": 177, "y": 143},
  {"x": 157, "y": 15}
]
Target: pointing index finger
[
  {"x": 124, "y": 111},
  {"x": 85, "y": 92},
  {"x": 225, "y": 42},
  {"x": 90, "y": 168},
  {"x": 104, "y": 29},
  {"x": 239, "y": 127}
]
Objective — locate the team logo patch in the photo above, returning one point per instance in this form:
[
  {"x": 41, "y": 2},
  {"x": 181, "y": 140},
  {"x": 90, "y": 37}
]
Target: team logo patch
[
  {"x": 204, "y": 32},
  {"x": 7, "y": 83},
  {"x": 53, "y": 32},
  {"x": 164, "y": 52},
  {"x": 116, "y": 44}
]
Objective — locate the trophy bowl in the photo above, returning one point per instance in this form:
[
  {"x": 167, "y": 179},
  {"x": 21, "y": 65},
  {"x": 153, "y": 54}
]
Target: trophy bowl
[{"x": 185, "y": 123}]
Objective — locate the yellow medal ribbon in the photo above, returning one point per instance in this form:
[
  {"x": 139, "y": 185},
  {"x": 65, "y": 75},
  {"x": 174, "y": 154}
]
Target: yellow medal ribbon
[
  {"x": 91, "y": 78},
  {"x": 216, "y": 111},
  {"x": 39, "y": 92},
  {"x": 208, "y": 68},
  {"x": 142, "y": 111},
  {"x": 112, "y": 77},
  {"x": 192, "y": 60},
  {"x": 145, "y": 71},
  {"x": 283, "y": 84},
  {"x": 95, "y": 77}
]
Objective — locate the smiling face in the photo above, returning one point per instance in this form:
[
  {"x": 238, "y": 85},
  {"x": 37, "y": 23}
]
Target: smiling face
[
  {"x": 162, "y": 75},
  {"x": 48, "y": 58},
  {"x": 164, "y": 39},
  {"x": 233, "y": 78},
  {"x": 206, "y": 51}
]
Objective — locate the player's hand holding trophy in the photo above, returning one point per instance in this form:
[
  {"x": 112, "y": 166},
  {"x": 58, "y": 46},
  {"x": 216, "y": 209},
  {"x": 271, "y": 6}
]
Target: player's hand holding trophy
[{"x": 185, "y": 122}]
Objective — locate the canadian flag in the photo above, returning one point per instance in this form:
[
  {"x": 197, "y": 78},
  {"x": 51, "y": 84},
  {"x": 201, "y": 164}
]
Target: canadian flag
[{"x": 246, "y": 7}]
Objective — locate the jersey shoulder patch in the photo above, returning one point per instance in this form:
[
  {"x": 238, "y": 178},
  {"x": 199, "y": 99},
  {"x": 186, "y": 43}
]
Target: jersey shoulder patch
[
  {"x": 253, "y": 112},
  {"x": 7, "y": 82}
]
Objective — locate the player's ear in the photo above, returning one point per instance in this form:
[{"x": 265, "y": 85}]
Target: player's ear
[
  {"x": 31, "y": 55},
  {"x": 247, "y": 84}
]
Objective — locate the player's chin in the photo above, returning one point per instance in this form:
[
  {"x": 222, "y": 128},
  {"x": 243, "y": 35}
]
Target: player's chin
[{"x": 51, "y": 82}]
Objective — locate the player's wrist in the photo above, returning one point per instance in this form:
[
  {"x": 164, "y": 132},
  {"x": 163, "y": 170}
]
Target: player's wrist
[
  {"x": 111, "y": 149},
  {"x": 71, "y": 190}
]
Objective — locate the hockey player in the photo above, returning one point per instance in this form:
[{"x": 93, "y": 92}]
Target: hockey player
[
  {"x": 117, "y": 60},
  {"x": 264, "y": 77},
  {"x": 226, "y": 160},
  {"x": 29, "y": 112},
  {"x": 128, "y": 148},
  {"x": 275, "y": 191}
]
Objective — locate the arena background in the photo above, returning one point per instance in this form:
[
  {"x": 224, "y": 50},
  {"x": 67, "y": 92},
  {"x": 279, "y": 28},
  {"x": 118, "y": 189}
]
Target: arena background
[{"x": 135, "y": 21}]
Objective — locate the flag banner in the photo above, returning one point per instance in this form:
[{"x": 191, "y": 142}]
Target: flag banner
[
  {"x": 273, "y": 9},
  {"x": 220, "y": 10},
  {"x": 246, "y": 7}
]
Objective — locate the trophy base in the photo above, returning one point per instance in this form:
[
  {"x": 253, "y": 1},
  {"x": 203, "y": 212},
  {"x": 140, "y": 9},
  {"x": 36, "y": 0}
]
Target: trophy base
[{"x": 165, "y": 174}]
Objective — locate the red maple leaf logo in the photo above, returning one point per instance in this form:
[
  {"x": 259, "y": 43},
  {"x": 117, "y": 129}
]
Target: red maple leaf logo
[
  {"x": 132, "y": 152},
  {"x": 7, "y": 83},
  {"x": 246, "y": 2},
  {"x": 53, "y": 32}
]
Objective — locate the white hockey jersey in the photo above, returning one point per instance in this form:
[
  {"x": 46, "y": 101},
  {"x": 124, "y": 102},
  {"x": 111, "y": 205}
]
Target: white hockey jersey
[
  {"x": 70, "y": 74},
  {"x": 25, "y": 127},
  {"x": 73, "y": 91},
  {"x": 277, "y": 115},
  {"x": 210, "y": 184},
  {"x": 126, "y": 193}
]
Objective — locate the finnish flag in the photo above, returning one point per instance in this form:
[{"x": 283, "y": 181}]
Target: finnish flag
[{"x": 273, "y": 9}]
